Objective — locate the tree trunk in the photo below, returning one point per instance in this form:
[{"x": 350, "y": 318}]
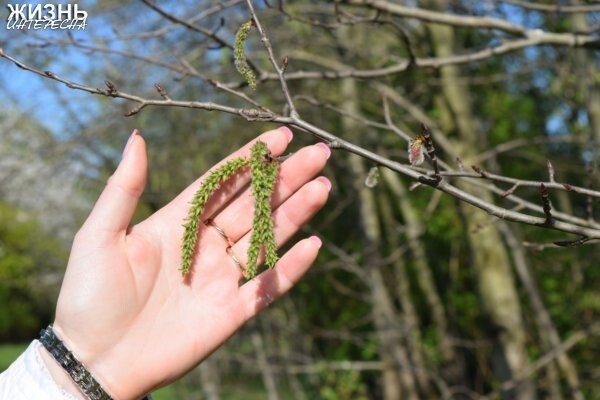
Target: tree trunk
[
  {"x": 548, "y": 332},
  {"x": 263, "y": 365},
  {"x": 452, "y": 365},
  {"x": 398, "y": 380},
  {"x": 296, "y": 344},
  {"x": 489, "y": 256},
  {"x": 409, "y": 318},
  {"x": 586, "y": 74},
  {"x": 208, "y": 377}
]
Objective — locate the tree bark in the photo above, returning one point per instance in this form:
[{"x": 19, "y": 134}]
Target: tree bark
[
  {"x": 398, "y": 379},
  {"x": 409, "y": 317},
  {"x": 489, "y": 256},
  {"x": 547, "y": 330},
  {"x": 586, "y": 72},
  {"x": 452, "y": 364},
  {"x": 208, "y": 377},
  {"x": 266, "y": 371}
]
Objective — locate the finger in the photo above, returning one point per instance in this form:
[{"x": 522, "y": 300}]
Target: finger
[
  {"x": 277, "y": 141},
  {"x": 267, "y": 287},
  {"x": 236, "y": 219},
  {"x": 117, "y": 202},
  {"x": 291, "y": 215}
]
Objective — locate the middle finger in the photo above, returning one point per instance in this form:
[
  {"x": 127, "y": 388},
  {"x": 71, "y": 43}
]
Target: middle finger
[{"x": 236, "y": 219}]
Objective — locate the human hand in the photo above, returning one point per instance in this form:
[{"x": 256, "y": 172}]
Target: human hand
[{"x": 124, "y": 308}]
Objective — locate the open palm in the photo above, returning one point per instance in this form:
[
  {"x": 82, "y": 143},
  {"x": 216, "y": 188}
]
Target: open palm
[{"x": 124, "y": 308}]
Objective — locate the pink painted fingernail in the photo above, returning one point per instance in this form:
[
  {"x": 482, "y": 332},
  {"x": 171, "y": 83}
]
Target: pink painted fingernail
[
  {"x": 288, "y": 132},
  {"x": 325, "y": 148},
  {"x": 317, "y": 241},
  {"x": 129, "y": 141},
  {"x": 325, "y": 182}
]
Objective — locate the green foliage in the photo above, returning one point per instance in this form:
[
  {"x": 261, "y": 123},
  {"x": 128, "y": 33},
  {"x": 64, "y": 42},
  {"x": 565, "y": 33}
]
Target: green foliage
[
  {"x": 230, "y": 387},
  {"x": 27, "y": 256},
  {"x": 329, "y": 311},
  {"x": 9, "y": 353},
  {"x": 340, "y": 385},
  {"x": 192, "y": 224},
  {"x": 264, "y": 171},
  {"x": 241, "y": 64}
]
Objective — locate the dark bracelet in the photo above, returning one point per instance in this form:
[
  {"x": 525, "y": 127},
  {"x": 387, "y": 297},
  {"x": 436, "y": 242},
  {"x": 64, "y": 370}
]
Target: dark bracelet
[{"x": 78, "y": 373}]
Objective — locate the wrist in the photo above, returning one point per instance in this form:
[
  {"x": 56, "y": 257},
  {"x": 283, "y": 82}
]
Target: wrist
[
  {"x": 59, "y": 375},
  {"x": 70, "y": 364},
  {"x": 68, "y": 372}
]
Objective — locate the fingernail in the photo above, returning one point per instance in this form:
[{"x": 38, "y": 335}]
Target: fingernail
[
  {"x": 288, "y": 132},
  {"x": 129, "y": 141},
  {"x": 325, "y": 148},
  {"x": 317, "y": 241},
  {"x": 325, "y": 182}
]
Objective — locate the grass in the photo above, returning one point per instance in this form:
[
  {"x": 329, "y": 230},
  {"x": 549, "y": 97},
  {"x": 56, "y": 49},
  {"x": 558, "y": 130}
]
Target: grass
[
  {"x": 230, "y": 391},
  {"x": 9, "y": 353},
  {"x": 175, "y": 391},
  {"x": 166, "y": 393}
]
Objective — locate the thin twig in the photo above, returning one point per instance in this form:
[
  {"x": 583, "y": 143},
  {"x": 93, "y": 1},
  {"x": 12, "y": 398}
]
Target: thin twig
[
  {"x": 466, "y": 21},
  {"x": 554, "y": 8},
  {"x": 278, "y": 69},
  {"x": 558, "y": 244},
  {"x": 161, "y": 91},
  {"x": 164, "y": 30},
  {"x": 431, "y": 152},
  {"x": 527, "y": 205},
  {"x": 581, "y": 229},
  {"x": 390, "y": 123},
  {"x": 480, "y": 173},
  {"x": 550, "y": 171},
  {"x": 508, "y": 46},
  {"x": 511, "y": 190},
  {"x": 589, "y": 208},
  {"x": 328, "y": 106},
  {"x": 187, "y": 24},
  {"x": 546, "y": 205},
  {"x": 547, "y": 359}
]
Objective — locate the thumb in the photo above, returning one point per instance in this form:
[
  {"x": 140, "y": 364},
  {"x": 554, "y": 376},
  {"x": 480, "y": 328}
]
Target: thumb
[{"x": 117, "y": 203}]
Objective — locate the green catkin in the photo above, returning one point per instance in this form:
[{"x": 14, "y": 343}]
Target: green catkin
[
  {"x": 372, "y": 178},
  {"x": 264, "y": 171},
  {"x": 241, "y": 64},
  {"x": 192, "y": 222}
]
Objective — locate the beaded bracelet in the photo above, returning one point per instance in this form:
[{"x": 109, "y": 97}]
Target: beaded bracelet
[{"x": 76, "y": 370}]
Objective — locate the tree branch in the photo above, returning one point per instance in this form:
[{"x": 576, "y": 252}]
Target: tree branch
[
  {"x": 334, "y": 142},
  {"x": 279, "y": 70}
]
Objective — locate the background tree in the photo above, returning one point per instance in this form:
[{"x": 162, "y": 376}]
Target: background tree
[{"x": 418, "y": 293}]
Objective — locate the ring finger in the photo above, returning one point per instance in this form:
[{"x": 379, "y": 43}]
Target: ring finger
[{"x": 289, "y": 217}]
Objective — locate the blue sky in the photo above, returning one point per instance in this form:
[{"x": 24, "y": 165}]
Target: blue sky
[
  {"x": 33, "y": 94},
  {"x": 41, "y": 97}
]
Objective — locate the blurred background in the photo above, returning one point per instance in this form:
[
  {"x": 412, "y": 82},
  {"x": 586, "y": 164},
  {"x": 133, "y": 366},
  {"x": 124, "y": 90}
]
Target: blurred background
[{"x": 415, "y": 294}]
